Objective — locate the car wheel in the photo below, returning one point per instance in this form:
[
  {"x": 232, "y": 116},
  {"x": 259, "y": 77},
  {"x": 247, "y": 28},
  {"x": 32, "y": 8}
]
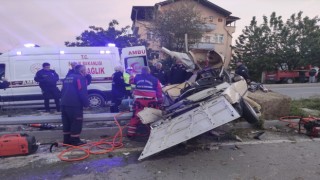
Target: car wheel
[
  {"x": 96, "y": 100},
  {"x": 248, "y": 113},
  {"x": 289, "y": 81}
]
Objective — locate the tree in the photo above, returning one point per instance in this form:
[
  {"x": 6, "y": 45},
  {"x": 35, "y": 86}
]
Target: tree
[
  {"x": 275, "y": 43},
  {"x": 97, "y": 36},
  {"x": 170, "y": 26}
]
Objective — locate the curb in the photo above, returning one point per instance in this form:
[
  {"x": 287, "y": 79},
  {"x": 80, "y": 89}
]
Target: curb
[
  {"x": 45, "y": 136},
  {"x": 270, "y": 86}
]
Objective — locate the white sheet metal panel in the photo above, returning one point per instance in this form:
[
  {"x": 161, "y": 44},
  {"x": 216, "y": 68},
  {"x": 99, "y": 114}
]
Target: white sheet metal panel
[{"x": 209, "y": 115}]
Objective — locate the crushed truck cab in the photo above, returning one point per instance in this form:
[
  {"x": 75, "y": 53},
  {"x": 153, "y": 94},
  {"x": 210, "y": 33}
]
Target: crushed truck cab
[{"x": 197, "y": 106}]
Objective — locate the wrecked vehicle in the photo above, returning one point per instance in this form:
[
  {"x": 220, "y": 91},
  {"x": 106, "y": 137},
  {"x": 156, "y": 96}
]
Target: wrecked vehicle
[{"x": 208, "y": 100}]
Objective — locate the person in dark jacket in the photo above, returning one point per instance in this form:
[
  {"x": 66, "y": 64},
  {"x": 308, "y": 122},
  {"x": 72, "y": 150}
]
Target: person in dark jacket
[
  {"x": 72, "y": 71},
  {"x": 4, "y": 83},
  {"x": 74, "y": 98},
  {"x": 118, "y": 90},
  {"x": 159, "y": 73},
  {"x": 178, "y": 73},
  {"x": 47, "y": 80},
  {"x": 243, "y": 71}
]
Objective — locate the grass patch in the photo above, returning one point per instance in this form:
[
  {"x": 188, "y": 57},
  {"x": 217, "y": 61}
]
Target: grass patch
[{"x": 296, "y": 105}]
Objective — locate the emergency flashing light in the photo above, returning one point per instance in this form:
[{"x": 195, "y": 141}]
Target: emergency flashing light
[
  {"x": 61, "y": 52},
  {"x": 108, "y": 52},
  {"x": 19, "y": 53},
  {"x": 101, "y": 52},
  {"x": 111, "y": 45},
  {"x": 28, "y": 45}
]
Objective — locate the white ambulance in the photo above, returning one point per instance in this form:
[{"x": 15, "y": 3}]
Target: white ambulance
[{"x": 19, "y": 67}]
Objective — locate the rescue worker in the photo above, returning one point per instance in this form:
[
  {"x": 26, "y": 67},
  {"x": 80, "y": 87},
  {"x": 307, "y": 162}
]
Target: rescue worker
[
  {"x": 74, "y": 98},
  {"x": 178, "y": 73},
  {"x": 72, "y": 71},
  {"x": 118, "y": 90},
  {"x": 243, "y": 71},
  {"x": 126, "y": 77},
  {"x": 159, "y": 73},
  {"x": 47, "y": 80},
  {"x": 148, "y": 93}
]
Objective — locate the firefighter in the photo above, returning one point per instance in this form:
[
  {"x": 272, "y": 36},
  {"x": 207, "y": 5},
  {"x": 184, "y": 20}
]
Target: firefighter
[
  {"x": 118, "y": 90},
  {"x": 47, "y": 79},
  {"x": 72, "y": 71},
  {"x": 74, "y": 98},
  {"x": 147, "y": 93}
]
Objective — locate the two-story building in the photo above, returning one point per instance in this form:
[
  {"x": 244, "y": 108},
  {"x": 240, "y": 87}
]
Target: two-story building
[{"x": 219, "y": 23}]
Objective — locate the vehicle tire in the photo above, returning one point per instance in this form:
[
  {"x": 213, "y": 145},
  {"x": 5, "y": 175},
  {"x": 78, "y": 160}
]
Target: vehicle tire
[
  {"x": 248, "y": 113},
  {"x": 238, "y": 108},
  {"x": 289, "y": 81},
  {"x": 96, "y": 100}
]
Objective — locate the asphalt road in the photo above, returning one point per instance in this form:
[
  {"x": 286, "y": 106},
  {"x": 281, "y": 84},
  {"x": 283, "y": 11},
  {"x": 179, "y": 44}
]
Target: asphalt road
[
  {"x": 280, "y": 154},
  {"x": 296, "y": 91}
]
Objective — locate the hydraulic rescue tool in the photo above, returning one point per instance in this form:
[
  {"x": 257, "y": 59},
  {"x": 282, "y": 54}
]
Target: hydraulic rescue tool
[{"x": 17, "y": 144}]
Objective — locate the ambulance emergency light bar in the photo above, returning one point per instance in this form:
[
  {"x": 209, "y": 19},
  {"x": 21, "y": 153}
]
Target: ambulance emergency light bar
[
  {"x": 111, "y": 45},
  {"x": 104, "y": 52},
  {"x": 30, "y": 45}
]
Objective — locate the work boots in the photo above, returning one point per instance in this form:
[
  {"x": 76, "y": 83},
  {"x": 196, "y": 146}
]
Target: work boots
[
  {"x": 75, "y": 141},
  {"x": 66, "y": 139}
]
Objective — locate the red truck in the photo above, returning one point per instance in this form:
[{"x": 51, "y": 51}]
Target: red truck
[{"x": 284, "y": 76}]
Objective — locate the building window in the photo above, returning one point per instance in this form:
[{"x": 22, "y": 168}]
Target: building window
[
  {"x": 220, "y": 20},
  {"x": 207, "y": 39},
  {"x": 210, "y": 18},
  {"x": 218, "y": 38}
]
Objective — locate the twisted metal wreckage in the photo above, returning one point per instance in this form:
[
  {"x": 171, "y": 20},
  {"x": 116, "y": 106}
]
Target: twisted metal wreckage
[{"x": 208, "y": 100}]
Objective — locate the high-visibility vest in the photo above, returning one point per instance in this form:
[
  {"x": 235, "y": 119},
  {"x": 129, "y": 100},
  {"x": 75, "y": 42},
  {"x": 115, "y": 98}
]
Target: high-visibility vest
[{"x": 126, "y": 78}]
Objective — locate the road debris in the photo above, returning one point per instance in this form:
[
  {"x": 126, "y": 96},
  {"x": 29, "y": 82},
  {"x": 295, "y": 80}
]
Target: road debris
[{"x": 258, "y": 135}]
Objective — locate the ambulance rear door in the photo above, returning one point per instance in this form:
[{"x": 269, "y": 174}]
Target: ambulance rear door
[{"x": 135, "y": 58}]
